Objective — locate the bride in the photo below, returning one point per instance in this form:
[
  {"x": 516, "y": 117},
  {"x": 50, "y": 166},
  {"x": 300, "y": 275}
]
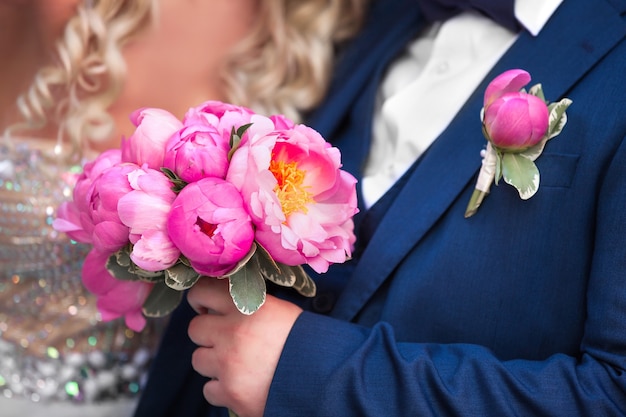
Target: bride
[{"x": 72, "y": 73}]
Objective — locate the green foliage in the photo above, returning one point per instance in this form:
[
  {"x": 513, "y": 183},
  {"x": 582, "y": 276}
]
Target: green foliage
[
  {"x": 161, "y": 301},
  {"x": 247, "y": 287},
  {"x": 247, "y": 281},
  {"x": 522, "y": 173},
  {"x": 181, "y": 277},
  {"x": 177, "y": 183},
  {"x": 280, "y": 275},
  {"x": 235, "y": 138}
]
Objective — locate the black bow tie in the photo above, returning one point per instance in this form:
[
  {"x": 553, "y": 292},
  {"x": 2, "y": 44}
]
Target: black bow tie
[{"x": 501, "y": 11}]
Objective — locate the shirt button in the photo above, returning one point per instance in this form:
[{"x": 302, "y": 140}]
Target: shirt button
[
  {"x": 442, "y": 67},
  {"x": 323, "y": 302}
]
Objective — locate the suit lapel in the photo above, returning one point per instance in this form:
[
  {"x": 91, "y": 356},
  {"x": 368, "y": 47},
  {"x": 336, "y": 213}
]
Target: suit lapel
[
  {"x": 557, "y": 58},
  {"x": 359, "y": 68}
]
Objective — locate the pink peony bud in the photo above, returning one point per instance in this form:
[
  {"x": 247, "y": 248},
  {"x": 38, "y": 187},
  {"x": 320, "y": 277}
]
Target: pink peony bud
[
  {"x": 144, "y": 209},
  {"x": 223, "y": 116},
  {"x": 109, "y": 233},
  {"x": 73, "y": 217},
  {"x": 197, "y": 151},
  {"x": 92, "y": 216},
  {"x": 147, "y": 144},
  {"x": 210, "y": 226},
  {"x": 514, "y": 120}
]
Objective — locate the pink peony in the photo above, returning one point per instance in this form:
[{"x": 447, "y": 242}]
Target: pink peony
[
  {"x": 514, "y": 120},
  {"x": 147, "y": 144},
  {"x": 116, "y": 298},
  {"x": 197, "y": 151},
  {"x": 144, "y": 210},
  {"x": 222, "y": 116},
  {"x": 209, "y": 224},
  {"x": 74, "y": 217},
  {"x": 299, "y": 199},
  {"x": 227, "y": 118},
  {"x": 109, "y": 233},
  {"x": 125, "y": 299}
]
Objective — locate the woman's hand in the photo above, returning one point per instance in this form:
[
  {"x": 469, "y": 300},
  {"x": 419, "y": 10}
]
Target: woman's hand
[{"x": 238, "y": 352}]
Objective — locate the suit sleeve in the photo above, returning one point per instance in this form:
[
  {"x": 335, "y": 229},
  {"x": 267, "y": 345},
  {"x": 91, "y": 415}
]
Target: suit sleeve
[{"x": 333, "y": 368}]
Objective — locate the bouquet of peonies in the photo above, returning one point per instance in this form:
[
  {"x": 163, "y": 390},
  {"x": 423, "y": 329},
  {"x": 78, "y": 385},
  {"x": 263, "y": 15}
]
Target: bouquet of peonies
[{"x": 224, "y": 193}]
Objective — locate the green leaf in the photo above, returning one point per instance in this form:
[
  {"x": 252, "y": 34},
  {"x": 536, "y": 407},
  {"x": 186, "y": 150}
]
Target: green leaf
[
  {"x": 161, "y": 301},
  {"x": 147, "y": 276},
  {"x": 180, "y": 277},
  {"x": 271, "y": 271},
  {"x": 537, "y": 91},
  {"x": 122, "y": 256},
  {"x": 558, "y": 118},
  {"x": 171, "y": 175},
  {"x": 247, "y": 288},
  {"x": 234, "y": 142},
  {"x": 534, "y": 152},
  {"x": 242, "y": 129},
  {"x": 242, "y": 263},
  {"x": 119, "y": 271},
  {"x": 522, "y": 173},
  {"x": 177, "y": 183},
  {"x": 304, "y": 284},
  {"x": 235, "y": 138}
]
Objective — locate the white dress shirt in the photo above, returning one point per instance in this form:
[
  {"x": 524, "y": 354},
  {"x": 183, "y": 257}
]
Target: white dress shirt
[{"x": 425, "y": 88}]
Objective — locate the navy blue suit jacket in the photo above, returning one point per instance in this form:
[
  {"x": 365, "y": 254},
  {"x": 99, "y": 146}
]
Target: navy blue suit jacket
[{"x": 518, "y": 310}]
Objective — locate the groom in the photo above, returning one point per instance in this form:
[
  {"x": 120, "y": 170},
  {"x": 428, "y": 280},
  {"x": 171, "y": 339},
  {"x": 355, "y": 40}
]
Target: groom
[{"x": 518, "y": 310}]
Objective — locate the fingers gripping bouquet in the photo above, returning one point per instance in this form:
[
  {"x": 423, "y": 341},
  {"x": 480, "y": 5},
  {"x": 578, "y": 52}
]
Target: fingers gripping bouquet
[{"x": 224, "y": 193}]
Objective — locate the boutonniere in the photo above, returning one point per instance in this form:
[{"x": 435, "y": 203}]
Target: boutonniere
[{"x": 517, "y": 125}]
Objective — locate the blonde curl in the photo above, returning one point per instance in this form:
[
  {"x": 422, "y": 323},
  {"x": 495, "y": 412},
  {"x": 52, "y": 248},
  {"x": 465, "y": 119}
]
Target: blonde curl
[
  {"x": 284, "y": 65},
  {"x": 75, "y": 91}
]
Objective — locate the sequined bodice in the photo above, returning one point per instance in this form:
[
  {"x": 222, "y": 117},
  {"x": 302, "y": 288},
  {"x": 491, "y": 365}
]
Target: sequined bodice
[{"x": 53, "y": 344}]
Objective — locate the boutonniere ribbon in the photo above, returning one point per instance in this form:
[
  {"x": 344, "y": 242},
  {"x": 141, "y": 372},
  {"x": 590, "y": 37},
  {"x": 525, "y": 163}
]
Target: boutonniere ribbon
[{"x": 517, "y": 125}]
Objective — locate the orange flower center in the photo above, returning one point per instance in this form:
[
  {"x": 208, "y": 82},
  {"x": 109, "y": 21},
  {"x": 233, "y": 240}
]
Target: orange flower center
[{"x": 292, "y": 195}]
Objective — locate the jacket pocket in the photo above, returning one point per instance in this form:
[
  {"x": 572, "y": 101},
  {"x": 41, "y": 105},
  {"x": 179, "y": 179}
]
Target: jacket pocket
[{"x": 557, "y": 170}]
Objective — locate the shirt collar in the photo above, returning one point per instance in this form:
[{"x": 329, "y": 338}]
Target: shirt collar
[{"x": 533, "y": 14}]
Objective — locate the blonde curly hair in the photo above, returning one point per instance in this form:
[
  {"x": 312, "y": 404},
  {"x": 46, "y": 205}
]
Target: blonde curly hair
[
  {"x": 283, "y": 66},
  {"x": 88, "y": 74}
]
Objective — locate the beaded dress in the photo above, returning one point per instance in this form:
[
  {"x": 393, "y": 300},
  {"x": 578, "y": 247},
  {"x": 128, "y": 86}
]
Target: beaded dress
[{"x": 55, "y": 352}]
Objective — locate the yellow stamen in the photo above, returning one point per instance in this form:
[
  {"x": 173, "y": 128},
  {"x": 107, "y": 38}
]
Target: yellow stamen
[{"x": 292, "y": 195}]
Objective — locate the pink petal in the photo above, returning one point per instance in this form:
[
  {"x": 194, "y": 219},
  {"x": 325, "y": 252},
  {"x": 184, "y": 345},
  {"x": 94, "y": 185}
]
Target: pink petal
[
  {"x": 154, "y": 251},
  {"x": 96, "y": 277},
  {"x": 508, "y": 82},
  {"x": 110, "y": 236}
]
